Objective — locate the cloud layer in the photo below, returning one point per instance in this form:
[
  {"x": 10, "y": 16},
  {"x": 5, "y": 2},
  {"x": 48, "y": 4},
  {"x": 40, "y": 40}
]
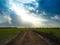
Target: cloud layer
[
  {"x": 5, "y": 18},
  {"x": 56, "y": 17},
  {"x": 30, "y": 13}
]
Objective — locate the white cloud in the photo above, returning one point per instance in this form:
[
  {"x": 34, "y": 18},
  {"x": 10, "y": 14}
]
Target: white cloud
[
  {"x": 8, "y": 18},
  {"x": 31, "y": 8},
  {"x": 26, "y": 17},
  {"x": 53, "y": 24},
  {"x": 26, "y": 1},
  {"x": 30, "y": 20},
  {"x": 5, "y": 18},
  {"x": 50, "y": 24},
  {"x": 56, "y": 17},
  {"x": 43, "y": 13}
]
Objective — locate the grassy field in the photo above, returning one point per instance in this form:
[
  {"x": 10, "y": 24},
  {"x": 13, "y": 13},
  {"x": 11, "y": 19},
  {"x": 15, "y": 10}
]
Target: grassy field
[
  {"x": 54, "y": 31},
  {"x": 7, "y": 33}
]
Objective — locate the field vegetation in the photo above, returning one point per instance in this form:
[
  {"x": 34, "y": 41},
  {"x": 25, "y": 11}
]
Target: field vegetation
[{"x": 9, "y": 33}]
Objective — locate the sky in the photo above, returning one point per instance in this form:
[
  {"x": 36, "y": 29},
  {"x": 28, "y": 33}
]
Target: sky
[{"x": 29, "y": 13}]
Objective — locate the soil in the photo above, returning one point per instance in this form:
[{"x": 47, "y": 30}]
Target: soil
[{"x": 31, "y": 37}]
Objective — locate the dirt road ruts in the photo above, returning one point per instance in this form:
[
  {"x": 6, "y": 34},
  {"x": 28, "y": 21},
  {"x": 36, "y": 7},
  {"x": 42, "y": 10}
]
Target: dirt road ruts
[{"x": 29, "y": 37}]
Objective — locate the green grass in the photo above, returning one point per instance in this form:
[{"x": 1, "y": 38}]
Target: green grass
[
  {"x": 6, "y": 33},
  {"x": 54, "y": 31},
  {"x": 9, "y": 32}
]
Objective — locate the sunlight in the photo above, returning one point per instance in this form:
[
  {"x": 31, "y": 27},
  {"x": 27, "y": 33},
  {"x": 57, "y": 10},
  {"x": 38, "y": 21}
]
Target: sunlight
[{"x": 25, "y": 16}]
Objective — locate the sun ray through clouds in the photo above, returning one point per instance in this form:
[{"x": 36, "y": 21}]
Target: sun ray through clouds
[{"x": 24, "y": 14}]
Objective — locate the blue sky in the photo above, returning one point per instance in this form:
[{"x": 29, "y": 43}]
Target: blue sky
[{"x": 30, "y": 13}]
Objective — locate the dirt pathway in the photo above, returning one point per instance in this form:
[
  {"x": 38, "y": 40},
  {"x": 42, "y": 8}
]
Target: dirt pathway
[{"x": 29, "y": 38}]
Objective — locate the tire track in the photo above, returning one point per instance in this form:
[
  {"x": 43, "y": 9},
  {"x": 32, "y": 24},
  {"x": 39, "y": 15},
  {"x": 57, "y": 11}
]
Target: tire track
[{"x": 29, "y": 37}]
